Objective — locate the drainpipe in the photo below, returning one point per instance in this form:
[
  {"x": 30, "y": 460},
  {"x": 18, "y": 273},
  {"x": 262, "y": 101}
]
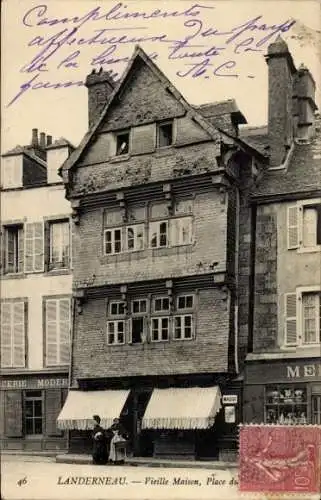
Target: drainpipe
[{"x": 236, "y": 306}]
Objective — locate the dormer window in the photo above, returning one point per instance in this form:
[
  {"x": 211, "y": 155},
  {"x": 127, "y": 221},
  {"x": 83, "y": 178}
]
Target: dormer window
[
  {"x": 122, "y": 143},
  {"x": 164, "y": 134}
]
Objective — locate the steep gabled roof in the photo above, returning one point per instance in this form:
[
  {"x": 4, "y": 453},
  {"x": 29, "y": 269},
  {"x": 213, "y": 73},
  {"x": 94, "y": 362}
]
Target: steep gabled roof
[{"x": 194, "y": 113}]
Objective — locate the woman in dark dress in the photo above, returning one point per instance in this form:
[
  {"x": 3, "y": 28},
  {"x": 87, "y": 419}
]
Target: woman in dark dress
[{"x": 99, "y": 453}]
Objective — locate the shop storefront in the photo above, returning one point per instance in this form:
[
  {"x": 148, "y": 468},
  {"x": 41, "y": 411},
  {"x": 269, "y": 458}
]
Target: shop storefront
[
  {"x": 283, "y": 392},
  {"x": 29, "y": 407},
  {"x": 164, "y": 418}
]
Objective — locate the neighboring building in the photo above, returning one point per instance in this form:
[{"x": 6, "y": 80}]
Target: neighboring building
[
  {"x": 158, "y": 190},
  {"x": 36, "y": 285},
  {"x": 283, "y": 371}
]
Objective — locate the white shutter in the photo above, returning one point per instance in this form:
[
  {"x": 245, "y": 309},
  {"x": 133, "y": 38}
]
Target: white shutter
[
  {"x": 290, "y": 323},
  {"x": 6, "y": 334},
  {"x": 310, "y": 318},
  {"x": 174, "y": 232},
  {"x": 18, "y": 334},
  {"x": 64, "y": 331},
  {"x": 293, "y": 227},
  {"x": 51, "y": 332},
  {"x": 310, "y": 221},
  {"x": 34, "y": 247}
]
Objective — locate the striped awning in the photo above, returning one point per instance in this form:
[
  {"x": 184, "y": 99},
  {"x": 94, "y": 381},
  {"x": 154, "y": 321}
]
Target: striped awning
[
  {"x": 180, "y": 408},
  {"x": 80, "y": 406}
]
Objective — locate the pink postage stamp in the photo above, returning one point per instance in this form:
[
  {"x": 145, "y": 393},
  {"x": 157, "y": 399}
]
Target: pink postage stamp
[{"x": 280, "y": 459}]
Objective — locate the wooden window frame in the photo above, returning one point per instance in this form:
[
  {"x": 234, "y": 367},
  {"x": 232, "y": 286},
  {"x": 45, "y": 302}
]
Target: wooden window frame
[{"x": 45, "y": 342}]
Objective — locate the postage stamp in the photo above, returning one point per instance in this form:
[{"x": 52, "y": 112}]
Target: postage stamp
[{"x": 280, "y": 458}]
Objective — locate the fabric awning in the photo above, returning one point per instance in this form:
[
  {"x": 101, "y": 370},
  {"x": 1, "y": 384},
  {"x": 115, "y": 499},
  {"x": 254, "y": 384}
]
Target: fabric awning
[
  {"x": 180, "y": 408},
  {"x": 80, "y": 406}
]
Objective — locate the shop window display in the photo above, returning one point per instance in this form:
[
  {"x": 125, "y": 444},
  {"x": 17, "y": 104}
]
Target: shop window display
[{"x": 286, "y": 406}]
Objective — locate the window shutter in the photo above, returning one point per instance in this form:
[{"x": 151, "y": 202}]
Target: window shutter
[
  {"x": 46, "y": 245},
  {"x": 51, "y": 332},
  {"x": 13, "y": 413},
  {"x": 38, "y": 246},
  {"x": 310, "y": 220},
  {"x": 293, "y": 227},
  {"x": 290, "y": 326},
  {"x": 64, "y": 331},
  {"x": 174, "y": 231},
  {"x": 53, "y": 406},
  {"x": 6, "y": 334},
  {"x": 143, "y": 139},
  {"x": 34, "y": 247},
  {"x": 19, "y": 358},
  {"x": 20, "y": 249}
]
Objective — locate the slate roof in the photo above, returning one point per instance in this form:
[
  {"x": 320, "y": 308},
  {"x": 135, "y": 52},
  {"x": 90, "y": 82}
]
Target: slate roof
[
  {"x": 219, "y": 108},
  {"x": 28, "y": 151},
  {"x": 256, "y": 137},
  {"x": 302, "y": 175},
  {"x": 59, "y": 143}
]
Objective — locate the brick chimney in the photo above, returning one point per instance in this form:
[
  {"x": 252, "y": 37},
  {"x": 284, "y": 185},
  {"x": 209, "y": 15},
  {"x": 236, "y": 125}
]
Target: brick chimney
[
  {"x": 42, "y": 140},
  {"x": 305, "y": 92},
  {"x": 34, "y": 138},
  {"x": 281, "y": 71},
  {"x": 100, "y": 86}
]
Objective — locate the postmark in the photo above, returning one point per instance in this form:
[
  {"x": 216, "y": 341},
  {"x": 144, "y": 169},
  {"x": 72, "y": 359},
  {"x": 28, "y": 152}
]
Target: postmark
[{"x": 279, "y": 458}]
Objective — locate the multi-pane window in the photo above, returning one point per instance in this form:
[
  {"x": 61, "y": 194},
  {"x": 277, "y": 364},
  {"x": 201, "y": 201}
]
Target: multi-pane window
[
  {"x": 122, "y": 143},
  {"x": 159, "y": 329},
  {"x": 158, "y": 234},
  {"x": 164, "y": 134},
  {"x": 14, "y": 251},
  {"x": 312, "y": 225},
  {"x": 316, "y": 409},
  {"x": 59, "y": 244},
  {"x": 181, "y": 231},
  {"x": 135, "y": 237},
  {"x": 113, "y": 241},
  {"x": 183, "y": 327},
  {"x": 13, "y": 328},
  {"x": 138, "y": 321},
  {"x": 311, "y": 314},
  {"x": 183, "y": 323},
  {"x": 160, "y": 304},
  {"x": 33, "y": 412},
  {"x": 57, "y": 321},
  {"x": 116, "y": 323}
]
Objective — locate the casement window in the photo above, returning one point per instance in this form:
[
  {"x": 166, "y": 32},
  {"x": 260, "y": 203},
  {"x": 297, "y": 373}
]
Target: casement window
[
  {"x": 181, "y": 231},
  {"x": 164, "y": 134},
  {"x": 115, "y": 332},
  {"x": 59, "y": 244},
  {"x": 14, "y": 249},
  {"x": 138, "y": 321},
  {"x": 183, "y": 327},
  {"x": 185, "y": 302},
  {"x": 159, "y": 329},
  {"x": 302, "y": 318},
  {"x": 286, "y": 405},
  {"x": 158, "y": 234},
  {"x": 304, "y": 226},
  {"x": 33, "y": 412},
  {"x": 34, "y": 247},
  {"x": 135, "y": 237},
  {"x": 13, "y": 334},
  {"x": 113, "y": 241},
  {"x": 122, "y": 142},
  {"x": 116, "y": 323},
  {"x": 161, "y": 304},
  {"x": 57, "y": 330}
]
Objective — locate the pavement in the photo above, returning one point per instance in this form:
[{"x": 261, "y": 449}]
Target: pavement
[{"x": 42, "y": 478}]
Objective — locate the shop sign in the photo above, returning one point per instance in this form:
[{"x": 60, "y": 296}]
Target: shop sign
[
  {"x": 32, "y": 383},
  {"x": 229, "y": 413},
  {"x": 230, "y": 399},
  {"x": 303, "y": 371}
]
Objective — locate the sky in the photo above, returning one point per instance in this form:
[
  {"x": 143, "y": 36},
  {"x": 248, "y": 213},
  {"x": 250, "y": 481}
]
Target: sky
[{"x": 61, "y": 41}]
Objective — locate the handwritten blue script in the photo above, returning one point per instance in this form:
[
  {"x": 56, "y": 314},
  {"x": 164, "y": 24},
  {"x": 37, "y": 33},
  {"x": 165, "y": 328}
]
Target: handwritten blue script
[{"x": 106, "y": 37}]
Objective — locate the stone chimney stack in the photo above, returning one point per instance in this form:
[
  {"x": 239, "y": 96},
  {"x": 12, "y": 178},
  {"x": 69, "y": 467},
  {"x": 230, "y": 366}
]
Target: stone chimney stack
[
  {"x": 100, "y": 86},
  {"x": 305, "y": 92},
  {"x": 42, "y": 140},
  {"x": 49, "y": 140},
  {"x": 34, "y": 138},
  {"x": 281, "y": 71}
]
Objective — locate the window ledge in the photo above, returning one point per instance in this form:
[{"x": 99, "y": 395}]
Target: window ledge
[
  {"x": 309, "y": 249},
  {"x": 12, "y": 276},
  {"x": 173, "y": 250},
  {"x": 57, "y": 272},
  {"x": 142, "y": 254},
  {"x": 119, "y": 158}
]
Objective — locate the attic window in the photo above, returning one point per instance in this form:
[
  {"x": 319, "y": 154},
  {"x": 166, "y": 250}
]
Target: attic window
[
  {"x": 165, "y": 134},
  {"x": 122, "y": 143}
]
